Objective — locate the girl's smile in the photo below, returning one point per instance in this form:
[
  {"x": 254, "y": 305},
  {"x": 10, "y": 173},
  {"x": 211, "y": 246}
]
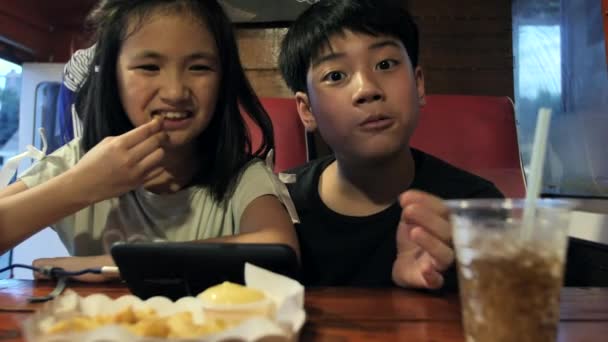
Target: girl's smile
[{"x": 174, "y": 119}]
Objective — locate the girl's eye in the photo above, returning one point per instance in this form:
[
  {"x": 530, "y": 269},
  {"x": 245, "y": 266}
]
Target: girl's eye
[
  {"x": 334, "y": 76},
  {"x": 200, "y": 67},
  {"x": 148, "y": 67},
  {"x": 386, "y": 64}
]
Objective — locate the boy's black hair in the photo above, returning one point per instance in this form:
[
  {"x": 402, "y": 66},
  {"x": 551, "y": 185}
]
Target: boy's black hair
[
  {"x": 225, "y": 145},
  {"x": 312, "y": 30}
]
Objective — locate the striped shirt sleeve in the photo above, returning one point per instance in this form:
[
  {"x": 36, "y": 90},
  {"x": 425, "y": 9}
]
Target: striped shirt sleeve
[{"x": 76, "y": 69}]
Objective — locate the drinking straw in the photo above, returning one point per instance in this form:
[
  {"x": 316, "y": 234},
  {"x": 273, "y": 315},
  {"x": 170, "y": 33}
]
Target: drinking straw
[{"x": 536, "y": 170}]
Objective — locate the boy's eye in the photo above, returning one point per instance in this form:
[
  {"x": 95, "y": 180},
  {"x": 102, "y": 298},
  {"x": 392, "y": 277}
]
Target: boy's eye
[
  {"x": 334, "y": 76},
  {"x": 386, "y": 64}
]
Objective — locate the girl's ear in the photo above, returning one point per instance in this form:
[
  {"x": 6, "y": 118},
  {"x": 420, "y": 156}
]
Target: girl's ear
[
  {"x": 419, "y": 76},
  {"x": 306, "y": 115}
]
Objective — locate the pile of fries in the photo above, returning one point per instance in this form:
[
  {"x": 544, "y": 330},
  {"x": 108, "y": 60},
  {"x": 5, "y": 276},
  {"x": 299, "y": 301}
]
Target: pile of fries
[{"x": 145, "y": 323}]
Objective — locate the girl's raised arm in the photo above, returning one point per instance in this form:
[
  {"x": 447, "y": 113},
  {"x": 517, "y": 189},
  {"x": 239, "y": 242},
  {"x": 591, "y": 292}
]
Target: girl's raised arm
[{"x": 113, "y": 167}]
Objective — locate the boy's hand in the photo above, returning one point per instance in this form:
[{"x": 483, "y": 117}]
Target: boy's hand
[
  {"x": 120, "y": 164},
  {"x": 424, "y": 241}
]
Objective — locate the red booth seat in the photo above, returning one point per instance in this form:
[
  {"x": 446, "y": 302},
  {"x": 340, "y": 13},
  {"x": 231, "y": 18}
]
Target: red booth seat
[
  {"x": 289, "y": 133},
  {"x": 475, "y": 133}
]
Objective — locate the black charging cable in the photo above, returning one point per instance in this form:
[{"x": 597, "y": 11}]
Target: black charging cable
[{"x": 61, "y": 276}]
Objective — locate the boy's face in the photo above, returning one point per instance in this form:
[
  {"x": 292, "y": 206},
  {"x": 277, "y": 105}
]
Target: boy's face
[{"x": 363, "y": 96}]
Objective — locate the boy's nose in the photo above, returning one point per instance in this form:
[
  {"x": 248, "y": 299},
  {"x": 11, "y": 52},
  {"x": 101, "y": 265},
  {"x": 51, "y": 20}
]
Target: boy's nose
[{"x": 368, "y": 90}]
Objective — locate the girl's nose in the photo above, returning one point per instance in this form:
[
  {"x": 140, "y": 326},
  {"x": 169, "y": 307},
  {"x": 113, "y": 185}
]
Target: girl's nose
[{"x": 174, "y": 89}]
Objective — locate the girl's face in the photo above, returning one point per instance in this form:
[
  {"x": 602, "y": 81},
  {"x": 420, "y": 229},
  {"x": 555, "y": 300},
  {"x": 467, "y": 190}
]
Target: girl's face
[{"x": 168, "y": 66}]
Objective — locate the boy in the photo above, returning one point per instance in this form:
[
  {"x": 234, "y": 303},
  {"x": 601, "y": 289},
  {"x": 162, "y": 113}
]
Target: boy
[{"x": 353, "y": 66}]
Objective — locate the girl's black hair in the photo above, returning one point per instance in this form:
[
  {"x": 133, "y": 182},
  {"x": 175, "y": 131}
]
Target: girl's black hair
[
  {"x": 313, "y": 28},
  {"x": 225, "y": 146}
]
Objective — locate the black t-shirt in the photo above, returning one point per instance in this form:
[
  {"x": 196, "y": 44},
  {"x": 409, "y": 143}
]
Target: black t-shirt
[{"x": 339, "y": 250}]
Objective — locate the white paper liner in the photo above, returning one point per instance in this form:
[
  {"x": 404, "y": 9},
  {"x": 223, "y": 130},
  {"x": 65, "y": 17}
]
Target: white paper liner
[{"x": 287, "y": 294}]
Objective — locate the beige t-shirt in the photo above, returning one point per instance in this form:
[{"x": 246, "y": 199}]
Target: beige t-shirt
[{"x": 190, "y": 214}]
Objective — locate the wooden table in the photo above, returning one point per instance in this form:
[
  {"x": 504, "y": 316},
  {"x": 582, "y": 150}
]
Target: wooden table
[{"x": 347, "y": 314}]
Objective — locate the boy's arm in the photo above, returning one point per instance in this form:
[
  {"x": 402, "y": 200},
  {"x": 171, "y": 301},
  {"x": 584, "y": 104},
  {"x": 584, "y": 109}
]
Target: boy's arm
[{"x": 424, "y": 242}]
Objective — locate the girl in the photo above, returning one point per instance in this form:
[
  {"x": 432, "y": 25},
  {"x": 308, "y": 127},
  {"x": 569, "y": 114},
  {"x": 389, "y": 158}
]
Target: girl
[{"x": 165, "y": 153}]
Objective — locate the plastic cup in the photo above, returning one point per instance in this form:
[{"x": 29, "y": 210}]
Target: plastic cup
[{"x": 510, "y": 281}]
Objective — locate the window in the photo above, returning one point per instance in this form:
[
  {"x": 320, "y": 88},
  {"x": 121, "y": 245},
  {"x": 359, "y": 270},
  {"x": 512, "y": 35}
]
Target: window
[
  {"x": 47, "y": 94},
  {"x": 10, "y": 89},
  {"x": 560, "y": 62}
]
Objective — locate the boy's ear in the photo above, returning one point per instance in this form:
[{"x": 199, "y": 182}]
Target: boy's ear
[
  {"x": 303, "y": 106},
  {"x": 419, "y": 76}
]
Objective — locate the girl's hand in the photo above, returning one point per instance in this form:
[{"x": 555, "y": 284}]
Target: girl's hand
[
  {"x": 424, "y": 241},
  {"x": 120, "y": 164}
]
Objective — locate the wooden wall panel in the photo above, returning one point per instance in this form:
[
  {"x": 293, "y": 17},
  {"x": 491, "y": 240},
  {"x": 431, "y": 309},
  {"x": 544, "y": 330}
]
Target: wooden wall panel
[
  {"x": 459, "y": 81},
  {"x": 463, "y": 9},
  {"x": 259, "y": 47},
  {"x": 465, "y": 46},
  {"x": 259, "y": 50}
]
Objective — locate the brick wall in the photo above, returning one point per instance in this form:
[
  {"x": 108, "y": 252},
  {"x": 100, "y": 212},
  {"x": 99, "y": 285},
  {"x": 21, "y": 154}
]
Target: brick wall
[{"x": 466, "y": 46}]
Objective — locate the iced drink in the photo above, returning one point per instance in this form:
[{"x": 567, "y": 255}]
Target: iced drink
[{"x": 510, "y": 281}]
